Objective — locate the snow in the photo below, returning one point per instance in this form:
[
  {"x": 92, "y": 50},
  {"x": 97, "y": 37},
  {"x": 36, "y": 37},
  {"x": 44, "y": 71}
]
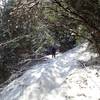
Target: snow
[
  {"x": 80, "y": 85},
  {"x": 59, "y": 78}
]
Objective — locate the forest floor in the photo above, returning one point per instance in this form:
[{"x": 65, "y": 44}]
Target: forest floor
[{"x": 73, "y": 75}]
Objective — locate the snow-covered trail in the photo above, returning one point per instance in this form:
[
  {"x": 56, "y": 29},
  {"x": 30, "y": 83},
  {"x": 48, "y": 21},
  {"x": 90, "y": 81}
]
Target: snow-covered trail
[{"x": 38, "y": 82}]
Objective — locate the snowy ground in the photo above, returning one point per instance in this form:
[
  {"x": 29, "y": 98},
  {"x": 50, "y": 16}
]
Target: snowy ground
[{"x": 62, "y": 78}]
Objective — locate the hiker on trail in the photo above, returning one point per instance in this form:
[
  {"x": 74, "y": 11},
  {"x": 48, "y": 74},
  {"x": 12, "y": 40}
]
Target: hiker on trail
[{"x": 53, "y": 52}]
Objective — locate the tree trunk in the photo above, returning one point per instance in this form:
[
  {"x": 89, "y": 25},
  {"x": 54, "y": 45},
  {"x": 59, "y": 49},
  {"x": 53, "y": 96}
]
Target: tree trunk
[{"x": 96, "y": 40}]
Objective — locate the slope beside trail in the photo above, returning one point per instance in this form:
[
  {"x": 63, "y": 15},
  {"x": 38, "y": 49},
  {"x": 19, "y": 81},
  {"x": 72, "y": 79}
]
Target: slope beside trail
[{"x": 44, "y": 81}]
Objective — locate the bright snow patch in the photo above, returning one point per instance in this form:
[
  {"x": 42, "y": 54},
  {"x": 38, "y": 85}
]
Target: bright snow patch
[{"x": 57, "y": 79}]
